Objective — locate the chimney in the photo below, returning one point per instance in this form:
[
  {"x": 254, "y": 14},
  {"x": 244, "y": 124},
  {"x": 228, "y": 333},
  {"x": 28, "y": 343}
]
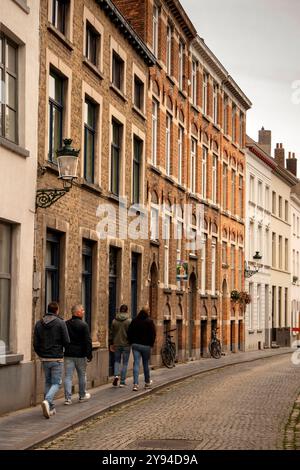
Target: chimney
[
  {"x": 279, "y": 155},
  {"x": 264, "y": 140},
  {"x": 291, "y": 164}
]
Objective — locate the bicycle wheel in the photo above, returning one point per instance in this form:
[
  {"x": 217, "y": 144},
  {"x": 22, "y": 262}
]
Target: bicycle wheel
[
  {"x": 167, "y": 356},
  {"x": 215, "y": 350}
]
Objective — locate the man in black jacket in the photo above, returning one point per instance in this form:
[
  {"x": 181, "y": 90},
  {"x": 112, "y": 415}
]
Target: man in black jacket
[
  {"x": 50, "y": 337},
  {"x": 77, "y": 354}
]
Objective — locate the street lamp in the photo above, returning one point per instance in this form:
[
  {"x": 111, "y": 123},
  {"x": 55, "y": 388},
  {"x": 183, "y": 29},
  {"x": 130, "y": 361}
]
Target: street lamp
[
  {"x": 67, "y": 162},
  {"x": 250, "y": 272}
]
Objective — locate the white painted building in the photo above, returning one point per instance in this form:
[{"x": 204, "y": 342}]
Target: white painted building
[
  {"x": 19, "y": 90},
  {"x": 295, "y": 262},
  {"x": 258, "y": 235}
]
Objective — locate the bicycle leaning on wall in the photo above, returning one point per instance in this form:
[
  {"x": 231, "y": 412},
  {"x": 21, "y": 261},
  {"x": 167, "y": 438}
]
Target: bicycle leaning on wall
[
  {"x": 168, "y": 350},
  {"x": 214, "y": 346}
]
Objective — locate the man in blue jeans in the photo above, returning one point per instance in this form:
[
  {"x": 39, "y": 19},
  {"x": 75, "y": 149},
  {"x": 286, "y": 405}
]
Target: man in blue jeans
[
  {"x": 50, "y": 338},
  {"x": 77, "y": 354},
  {"x": 119, "y": 344}
]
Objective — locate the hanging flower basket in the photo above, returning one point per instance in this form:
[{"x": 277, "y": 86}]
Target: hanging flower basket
[
  {"x": 245, "y": 298},
  {"x": 235, "y": 295}
]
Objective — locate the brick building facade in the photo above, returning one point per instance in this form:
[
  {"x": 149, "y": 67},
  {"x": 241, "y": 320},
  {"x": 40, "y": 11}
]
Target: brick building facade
[
  {"x": 93, "y": 83},
  {"x": 196, "y": 160}
]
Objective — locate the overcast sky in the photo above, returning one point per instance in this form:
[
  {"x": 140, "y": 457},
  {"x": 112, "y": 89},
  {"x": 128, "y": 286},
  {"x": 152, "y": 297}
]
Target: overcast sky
[{"x": 258, "y": 42}]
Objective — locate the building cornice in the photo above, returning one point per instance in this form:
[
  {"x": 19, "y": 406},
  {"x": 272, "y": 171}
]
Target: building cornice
[
  {"x": 182, "y": 18},
  {"x": 227, "y": 81},
  {"x": 258, "y": 152},
  {"x": 116, "y": 17}
]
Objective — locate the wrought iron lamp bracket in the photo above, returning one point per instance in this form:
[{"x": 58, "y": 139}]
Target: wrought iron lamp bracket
[{"x": 46, "y": 197}]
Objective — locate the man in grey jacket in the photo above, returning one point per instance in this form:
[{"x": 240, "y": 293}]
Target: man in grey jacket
[
  {"x": 119, "y": 344},
  {"x": 50, "y": 338}
]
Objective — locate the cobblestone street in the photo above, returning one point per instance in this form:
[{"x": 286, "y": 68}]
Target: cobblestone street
[{"x": 246, "y": 406}]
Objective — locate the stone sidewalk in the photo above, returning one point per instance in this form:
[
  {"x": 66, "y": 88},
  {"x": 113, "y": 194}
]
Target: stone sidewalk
[{"x": 27, "y": 428}]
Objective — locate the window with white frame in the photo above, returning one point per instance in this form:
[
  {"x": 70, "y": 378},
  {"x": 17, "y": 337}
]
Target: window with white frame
[
  {"x": 286, "y": 254},
  {"x": 233, "y": 191},
  {"x": 273, "y": 249},
  {"x": 137, "y": 169},
  {"x": 90, "y": 121},
  {"x": 116, "y": 157},
  {"x": 155, "y": 30},
  {"x": 241, "y": 191},
  {"x": 154, "y": 217},
  {"x": 169, "y": 50},
  {"x": 193, "y": 164},
  {"x": 155, "y": 106},
  {"x": 251, "y": 240},
  {"x": 240, "y": 266},
  {"x": 138, "y": 93},
  {"x": 168, "y": 143},
  {"x": 56, "y": 113},
  {"x": 166, "y": 236},
  {"x": 259, "y": 239},
  {"x": 274, "y": 202},
  {"x": 250, "y": 306},
  {"x": 294, "y": 224},
  {"x": 225, "y": 186},
  {"x": 233, "y": 122},
  {"x": 259, "y": 300},
  {"x": 241, "y": 136},
  {"x": 225, "y": 115},
  {"x": 203, "y": 263},
  {"x": 232, "y": 265},
  {"x": 8, "y": 82},
  {"x": 204, "y": 172},
  {"x": 213, "y": 265},
  {"x": 252, "y": 192},
  {"x": 260, "y": 194},
  {"x": 5, "y": 282},
  {"x": 224, "y": 253},
  {"x": 215, "y": 103},
  {"x": 192, "y": 235},
  {"x": 267, "y": 198},
  {"x": 294, "y": 262},
  {"x": 181, "y": 65},
  {"x": 180, "y": 152},
  {"x": 280, "y": 251},
  {"x": 205, "y": 93},
  {"x": 266, "y": 251},
  {"x": 92, "y": 44},
  {"x": 179, "y": 233},
  {"x": 60, "y": 15},
  {"x": 194, "y": 82},
  {"x": 215, "y": 179},
  {"x": 280, "y": 207},
  {"x": 298, "y": 226},
  {"x": 118, "y": 68}
]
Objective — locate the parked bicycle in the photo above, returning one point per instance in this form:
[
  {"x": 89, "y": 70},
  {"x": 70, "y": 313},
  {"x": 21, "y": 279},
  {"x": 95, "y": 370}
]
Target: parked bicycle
[
  {"x": 214, "y": 346},
  {"x": 168, "y": 350}
]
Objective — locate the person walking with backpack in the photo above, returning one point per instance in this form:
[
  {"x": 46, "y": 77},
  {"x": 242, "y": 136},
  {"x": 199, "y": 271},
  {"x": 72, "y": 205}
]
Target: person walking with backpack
[
  {"x": 119, "y": 344},
  {"x": 141, "y": 335},
  {"x": 77, "y": 354},
  {"x": 50, "y": 338}
]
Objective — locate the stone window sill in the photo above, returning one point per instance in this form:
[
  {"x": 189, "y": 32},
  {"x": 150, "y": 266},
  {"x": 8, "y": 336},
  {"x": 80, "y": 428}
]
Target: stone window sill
[
  {"x": 10, "y": 359},
  {"x": 155, "y": 169},
  {"x": 14, "y": 147},
  {"x": 155, "y": 242},
  {"x": 93, "y": 68},
  {"x": 139, "y": 112},
  {"x": 94, "y": 188},
  {"x": 62, "y": 38},
  {"x": 118, "y": 92}
]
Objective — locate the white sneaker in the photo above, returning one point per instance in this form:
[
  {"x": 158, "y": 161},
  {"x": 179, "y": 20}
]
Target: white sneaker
[
  {"x": 68, "y": 401},
  {"x": 86, "y": 397},
  {"x": 149, "y": 384},
  {"x": 46, "y": 409}
]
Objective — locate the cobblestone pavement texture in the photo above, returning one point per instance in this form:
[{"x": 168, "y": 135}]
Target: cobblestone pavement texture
[{"x": 246, "y": 406}]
